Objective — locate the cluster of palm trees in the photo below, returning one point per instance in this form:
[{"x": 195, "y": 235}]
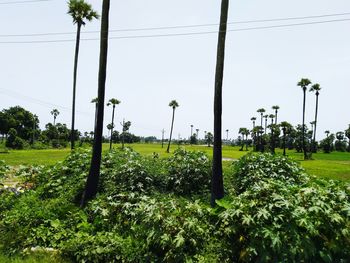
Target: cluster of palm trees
[{"x": 305, "y": 83}]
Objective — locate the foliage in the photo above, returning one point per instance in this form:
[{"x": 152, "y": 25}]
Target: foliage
[
  {"x": 277, "y": 222},
  {"x": 188, "y": 172},
  {"x": 252, "y": 169},
  {"x": 13, "y": 141},
  {"x": 3, "y": 169}
]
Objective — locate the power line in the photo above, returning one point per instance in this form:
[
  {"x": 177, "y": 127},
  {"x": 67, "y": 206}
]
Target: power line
[
  {"x": 17, "y": 95},
  {"x": 23, "y": 2},
  {"x": 177, "y": 34},
  {"x": 175, "y": 27}
]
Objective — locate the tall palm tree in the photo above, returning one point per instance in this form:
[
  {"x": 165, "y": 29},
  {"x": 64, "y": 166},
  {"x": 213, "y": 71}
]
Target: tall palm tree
[
  {"x": 304, "y": 83},
  {"x": 253, "y": 119},
  {"x": 197, "y": 130},
  {"x": 217, "y": 183},
  {"x": 246, "y": 132},
  {"x": 81, "y": 12},
  {"x": 327, "y": 132},
  {"x": 265, "y": 116},
  {"x": 276, "y": 108},
  {"x": 112, "y": 102},
  {"x": 55, "y": 113},
  {"x": 227, "y": 135},
  {"x": 191, "y": 130},
  {"x": 261, "y": 111},
  {"x": 173, "y": 104},
  {"x": 243, "y": 132},
  {"x": 94, "y": 172},
  {"x": 315, "y": 88},
  {"x": 271, "y": 116}
]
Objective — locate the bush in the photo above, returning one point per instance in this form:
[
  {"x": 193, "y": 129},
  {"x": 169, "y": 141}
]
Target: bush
[
  {"x": 3, "y": 169},
  {"x": 276, "y": 222},
  {"x": 188, "y": 172},
  {"x": 252, "y": 169},
  {"x": 126, "y": 170}
]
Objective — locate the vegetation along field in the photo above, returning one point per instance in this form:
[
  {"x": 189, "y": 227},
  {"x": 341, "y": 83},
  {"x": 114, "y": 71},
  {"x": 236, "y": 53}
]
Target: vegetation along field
[{"x": 272, "y": 192}]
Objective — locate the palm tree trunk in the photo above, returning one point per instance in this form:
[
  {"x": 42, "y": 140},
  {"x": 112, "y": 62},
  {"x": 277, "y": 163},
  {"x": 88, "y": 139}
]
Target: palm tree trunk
[
  {"x": 284, "y": 143},
  {"x": 110, "y": 141},
  {"x": 314, "y": 149},
  {"x": 75, "y": 83},
  {"x": 217, "y": 184},
  {"x": 303, "y": 127},
  {"x": 171, "y": 131},
  {"x": 94, "y": 173},
  {"x": 276, "y": 116},
  {"x": 54, "y": 120}
]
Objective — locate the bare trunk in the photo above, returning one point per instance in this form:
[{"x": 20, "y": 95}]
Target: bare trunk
[
  {"x": 94, "y": 173},
  {"x": 75, "y": 83},
  {"x": 217, "y": 185},
  {"x": 171, "y": 131},
  {"x": 110, "y": 141}
]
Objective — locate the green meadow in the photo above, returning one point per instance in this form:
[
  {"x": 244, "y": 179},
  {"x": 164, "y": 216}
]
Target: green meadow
[{"x": 335, "y": 165}]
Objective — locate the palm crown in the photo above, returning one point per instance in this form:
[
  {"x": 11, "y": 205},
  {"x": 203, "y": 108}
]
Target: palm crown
[
  {"x": 304, "y": 83},
  {"x": 113, "y": 102},
  {"x": 316, "y": 87},
  {"x": 81, "y": 11},
  {"x": 276, "y": 107},
  {"x": 173, "y": 104}
]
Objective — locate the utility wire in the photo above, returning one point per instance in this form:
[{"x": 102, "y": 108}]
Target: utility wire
[
  {"x": 176, "y": 27},
  {"x": 23, "y": 2},
  {"x": 177, "y": 34},
  {"x": 17, "y": 95}
]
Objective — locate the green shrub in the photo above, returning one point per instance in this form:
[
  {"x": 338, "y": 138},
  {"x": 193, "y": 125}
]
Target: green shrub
[
  {"x": 126, "y": 170},
  {"x": 3, "y": 169},
  {"x": 189, "y": 172},
  {"x": 276, "y": 222},
  {"x": 255, "y": 168}
]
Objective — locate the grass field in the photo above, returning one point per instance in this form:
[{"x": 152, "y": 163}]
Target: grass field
[{"x": 334, "y": 166}]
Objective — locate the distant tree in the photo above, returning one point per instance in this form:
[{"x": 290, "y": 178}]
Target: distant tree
[
  {"x": 304, "y": 83},
  {"x": 243, "y": 131},
  {"x": 217, "y": 183},
  {"x": 209, "y": 138},
  {"x": 197, "y": 130},
  {"x": 347, "y": 134},
  {"x": 315, "y": 88},
  {"x": 14, "y": 141},
  {"x": 261, "y": 111},
  {"x": 275, "y": 132},
  {"x": 94, "y": 172},
  {"x": 271, "y": 116},
  {"x": 227, "y": 134},
  {"x": 340, "y": 144},
  {"x": 193, "y": 139},
  {"x": 173, "y": 104},
  {"x": 327, "y": 143},
  {"x": 112, "y": 102},
  {"x": 286, "y": 129},
  {"x": 80, "y": 11},
  {"x": 55, "y": 113},
  {"x": 265, "y": 116},
  {"x": 126, "y": 126},
  {"x": 253, "y": 119},
  {"x": 276, "y": 108}
]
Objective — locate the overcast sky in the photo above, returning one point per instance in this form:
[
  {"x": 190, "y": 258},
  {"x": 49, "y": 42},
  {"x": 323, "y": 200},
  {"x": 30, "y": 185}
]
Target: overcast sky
[{"x": 262, "y": 66}]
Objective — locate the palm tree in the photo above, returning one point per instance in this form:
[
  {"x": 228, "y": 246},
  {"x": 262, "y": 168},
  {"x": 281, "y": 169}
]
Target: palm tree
[
  {"x": 265, "y": 116},
  {"x": 253, "y": 119},
  {"x": 81, "y": 12},
  {"x": 327, "y": 133},
  {"x": 94, "y": 172},
  {"x": 286, "y": 127},
  {"x": 261, "y": 111},
  {"x": 197, "y": 130},
  {"x": 55, "y": 113},
  {"x": 271, "y": 116},
  {"x": 246, "y": 132},
  {"x": 304, "y": 83},
  {"x": 217, "y": 183},
  {"x": 227, "y": 135},
  {"x": 315, "y": 88},
  {"x": 276, "y": 108},
  {"x": 191, "y": 130},
  {"x": 112, "y": 102},
  {"x": 173, "y": 104}
]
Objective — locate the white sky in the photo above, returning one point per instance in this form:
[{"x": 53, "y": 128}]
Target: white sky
[{"x": 262, "y": 66}]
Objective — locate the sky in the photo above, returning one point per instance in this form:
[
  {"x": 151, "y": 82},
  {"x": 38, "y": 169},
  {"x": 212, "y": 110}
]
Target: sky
[{"x": 262, "y": 65}]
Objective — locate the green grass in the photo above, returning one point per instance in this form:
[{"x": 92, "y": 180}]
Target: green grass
[{"x": 335, "y": 165}]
